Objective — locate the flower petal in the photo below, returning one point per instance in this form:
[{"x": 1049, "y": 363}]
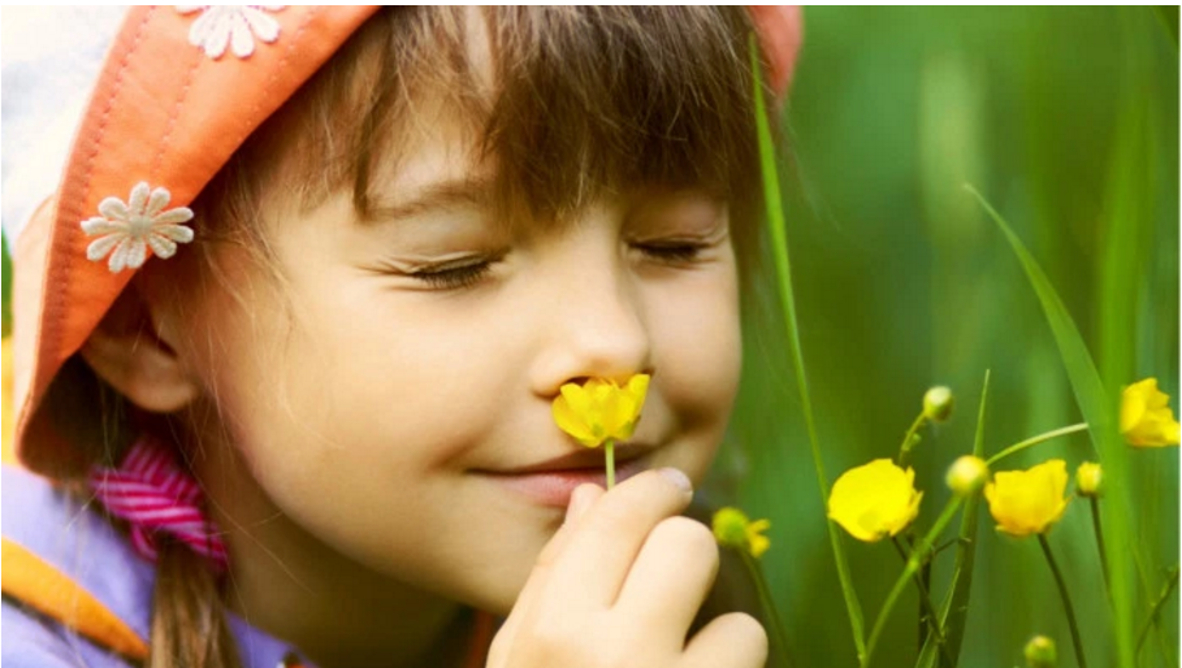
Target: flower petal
[
  {"x": 181, "y": 214},
  {"x": 139, "y": 198},
  {"x": 99, "y": 248},
  {"x": 572, "y": 422},
  {"x": 114, "y": 208},
  {"x": 178, "y": 233},
  {"x": 162, "y": 247},
  {"x": 118, "y": 259},
  {"x": 263, "y": 26},
  {"x": 156, "y": 203},
  {"x": 99, "y": 225}
]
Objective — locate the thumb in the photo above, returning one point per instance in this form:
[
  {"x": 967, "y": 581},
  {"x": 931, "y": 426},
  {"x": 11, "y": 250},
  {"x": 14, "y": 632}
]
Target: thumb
[{"x": 581, "y": 500}]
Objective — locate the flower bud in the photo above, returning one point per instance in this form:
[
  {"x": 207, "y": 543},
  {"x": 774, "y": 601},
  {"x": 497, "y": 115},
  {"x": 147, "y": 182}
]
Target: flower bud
[
  {"x": 732, "y": 528},
  {"x": 967, "y": 475},
  {"x": 1089, "y": 479},
  {"x": 1041, "y": 653},
  {"x": 937, "y": 404}
]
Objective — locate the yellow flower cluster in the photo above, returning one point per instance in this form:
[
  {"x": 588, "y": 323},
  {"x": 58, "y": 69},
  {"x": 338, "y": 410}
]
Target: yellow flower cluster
[{"x": 600, "y": 410}]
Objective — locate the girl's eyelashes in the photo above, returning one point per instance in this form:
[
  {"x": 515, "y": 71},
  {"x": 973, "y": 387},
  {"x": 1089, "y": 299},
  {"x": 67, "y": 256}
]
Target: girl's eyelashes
[
  {"x": 452, "y": 277},
  {"x": 674, "y": 253}
]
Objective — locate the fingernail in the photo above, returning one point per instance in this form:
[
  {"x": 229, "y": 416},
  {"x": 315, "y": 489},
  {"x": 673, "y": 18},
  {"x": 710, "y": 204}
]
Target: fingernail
[
  {"x": 678, "y": 478},
  {"x": 578, "y": 503}
]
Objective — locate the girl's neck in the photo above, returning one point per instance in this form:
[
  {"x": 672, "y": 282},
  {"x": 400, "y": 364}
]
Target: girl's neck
[{"x": 339, "y": 613}]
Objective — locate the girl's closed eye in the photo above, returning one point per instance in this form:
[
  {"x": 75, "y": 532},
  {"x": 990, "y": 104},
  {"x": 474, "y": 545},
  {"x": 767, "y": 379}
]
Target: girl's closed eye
[
  {"x": 678, "y": 252},
  {"x": 450, "y": 274}
]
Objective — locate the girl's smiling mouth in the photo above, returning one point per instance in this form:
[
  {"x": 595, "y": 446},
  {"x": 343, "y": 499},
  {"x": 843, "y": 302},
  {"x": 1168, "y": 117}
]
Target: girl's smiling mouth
[{"x": 550, "y": 483}]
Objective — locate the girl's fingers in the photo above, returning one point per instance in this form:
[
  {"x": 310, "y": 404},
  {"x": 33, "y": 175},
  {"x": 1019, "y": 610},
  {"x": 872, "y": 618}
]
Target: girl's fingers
[
  {"x": 671, "y": 578},
  {"x": 581, "y": 499},
  {"x": 597, "y": 556},
  {"x": 733, "y": 640}
]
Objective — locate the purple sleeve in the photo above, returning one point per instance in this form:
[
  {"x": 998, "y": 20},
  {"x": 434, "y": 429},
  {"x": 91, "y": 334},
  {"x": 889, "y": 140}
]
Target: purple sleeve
[{"x": 31, "y": 641}]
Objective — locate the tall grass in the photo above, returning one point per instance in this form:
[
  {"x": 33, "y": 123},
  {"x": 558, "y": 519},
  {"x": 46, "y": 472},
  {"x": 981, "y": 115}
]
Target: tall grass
[{"x": 1067, "y": 119}]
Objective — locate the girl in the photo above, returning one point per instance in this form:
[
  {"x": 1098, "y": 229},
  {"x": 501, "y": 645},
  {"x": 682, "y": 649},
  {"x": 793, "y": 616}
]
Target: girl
[{"x": 299, "y": 354}]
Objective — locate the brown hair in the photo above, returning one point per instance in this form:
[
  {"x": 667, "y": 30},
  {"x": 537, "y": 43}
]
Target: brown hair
[{"x": 581, "y": 102}]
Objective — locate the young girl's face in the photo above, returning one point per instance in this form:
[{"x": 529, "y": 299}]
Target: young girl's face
[{"x": 382, "y": 392}]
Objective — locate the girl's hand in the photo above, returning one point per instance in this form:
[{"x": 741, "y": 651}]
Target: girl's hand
[{"x": 619, "y": 585}]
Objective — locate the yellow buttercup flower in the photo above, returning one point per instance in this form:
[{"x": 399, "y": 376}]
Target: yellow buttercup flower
[
  {"x": 1028, "y": 502},
  {"x": 733, "y": 529},
  {"x": 874, "y": 501},
  {"x": 1145, "y": 416},
  {"x": 600, "y": 410}
]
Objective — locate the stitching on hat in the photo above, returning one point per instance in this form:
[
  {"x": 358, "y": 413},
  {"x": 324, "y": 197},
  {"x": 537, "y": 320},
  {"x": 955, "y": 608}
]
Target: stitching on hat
[
  {"x": 249, "y": 123},
  {"x": 55, "y": 309},
  {"x": 174, "y": 115}
]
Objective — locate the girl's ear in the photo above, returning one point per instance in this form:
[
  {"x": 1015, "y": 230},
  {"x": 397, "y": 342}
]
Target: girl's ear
[{"x": 127, "y": 352}]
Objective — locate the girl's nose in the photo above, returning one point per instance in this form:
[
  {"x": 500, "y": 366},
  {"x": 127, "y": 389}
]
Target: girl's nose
[{"x": 594, "y": 326}]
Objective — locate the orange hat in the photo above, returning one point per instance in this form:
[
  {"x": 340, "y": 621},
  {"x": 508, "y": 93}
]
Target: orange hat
[{"x": 180, "y": 90}]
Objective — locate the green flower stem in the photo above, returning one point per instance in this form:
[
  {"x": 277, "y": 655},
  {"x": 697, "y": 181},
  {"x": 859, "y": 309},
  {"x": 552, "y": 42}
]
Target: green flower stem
[
  {"x": 779, "y": 643},
  {"x": 1169, "y": 587},
  {"x": 609, "y": 449},
  {"x": 914, "y": 563},
  {"x": 779, "y": 237},
  {"x": 1100, "y": 542},
  {"x": 1076, "y": 640},
  {"x": 925, "y": 602},
  {"x": 905, "y": 449},
  {"x": 1035, "y": 440}
]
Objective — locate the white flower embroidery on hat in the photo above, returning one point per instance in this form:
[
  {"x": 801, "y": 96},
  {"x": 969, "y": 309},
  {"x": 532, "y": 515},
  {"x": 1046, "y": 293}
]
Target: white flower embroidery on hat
[
  {"x": 130, "y": 229},
  {"x": 219, "y": 26}
]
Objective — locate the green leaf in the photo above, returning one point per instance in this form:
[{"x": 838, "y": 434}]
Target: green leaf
[
  {"x": 778, "y": 231},
  {"x": 1099, "y": 411}
]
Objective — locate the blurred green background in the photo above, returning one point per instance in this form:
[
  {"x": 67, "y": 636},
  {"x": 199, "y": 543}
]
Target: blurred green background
[{"x": 1066, "y": 119}]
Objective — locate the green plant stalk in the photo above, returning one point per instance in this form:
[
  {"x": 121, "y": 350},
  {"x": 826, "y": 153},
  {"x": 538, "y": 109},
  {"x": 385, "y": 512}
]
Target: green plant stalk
[
  {"x": 778, "y": 231},
  {"x": 1167, "y": 589},
  {"x": 609, "y": 451},
  {"x": 1163, "y": 645},
  {"x": 1099, "y": 411},
  {"x": 779, "y": 642},
  {"x": 925, "y": 602},
  {"x": 905, "y": 449},
  {"x": 1095, "y": 503},
  {"x": 1076, "y": 640},
  {"x": 956, "y": 603},
  {"x": 909, "y": 570},
  {"x": 1035, "y": 440}
]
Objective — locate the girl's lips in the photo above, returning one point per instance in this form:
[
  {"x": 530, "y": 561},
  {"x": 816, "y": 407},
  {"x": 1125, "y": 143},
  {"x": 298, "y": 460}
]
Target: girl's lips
[{"x": 553, "y": 488}]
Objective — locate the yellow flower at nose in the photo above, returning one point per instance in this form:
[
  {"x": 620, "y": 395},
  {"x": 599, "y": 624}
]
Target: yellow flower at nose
[
  {"x": 600, "y": 409},
  {"x": 1028, "y": 502}
]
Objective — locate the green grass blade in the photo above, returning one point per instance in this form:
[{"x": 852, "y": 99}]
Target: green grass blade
[
  {"x": 1099, "y": 412},
  {"x": 779, "y": 235},
  {"x": 1168, "y": 16},
  {"x": 7, "y": 286}
]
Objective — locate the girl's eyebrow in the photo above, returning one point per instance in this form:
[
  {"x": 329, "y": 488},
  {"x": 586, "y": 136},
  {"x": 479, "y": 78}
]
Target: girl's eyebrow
[{"x": 447, "y": 194}]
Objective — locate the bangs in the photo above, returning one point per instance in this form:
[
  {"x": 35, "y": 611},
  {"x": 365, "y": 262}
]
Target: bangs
[{"x": 565, "y": 103}]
